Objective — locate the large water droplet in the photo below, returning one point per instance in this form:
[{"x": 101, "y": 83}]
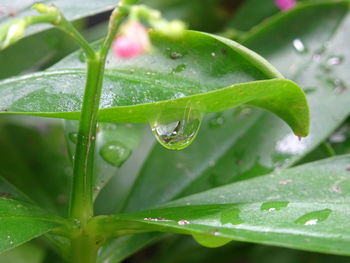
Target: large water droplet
[
  {"x": 210, "y": 240},
  {"x": 115, "y": 153},
  {"x": 176, "y": 135},
  {"x": 299, "y": 46},
  {"x": 314, "y": 218},
  {"x": 274, "y": 205},
  {"x": 231, "y": 216}
]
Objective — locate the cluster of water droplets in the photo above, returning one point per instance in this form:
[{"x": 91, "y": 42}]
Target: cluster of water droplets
[{"x": 327, "y": 65}]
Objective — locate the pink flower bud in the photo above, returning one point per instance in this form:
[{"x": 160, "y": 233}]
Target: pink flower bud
[
  {"x": 285, "y": 4},
  {"x": 133, "y": 41}
]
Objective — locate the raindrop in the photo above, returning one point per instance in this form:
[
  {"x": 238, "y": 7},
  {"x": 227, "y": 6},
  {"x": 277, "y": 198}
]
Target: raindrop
[
  {"x": 175, "y": 55},
  {"x": 82, "y": 57},
  {"x": 179, "y": 134},
  {"x": 73, "y": 136},
  {"x": 299, "y": 46},
  {"x": 231, "y": 216},
  {"x": 309, "y": 90},
  {"x": 335, "y": 60},
  {"x": 210, "y": 240},
  {"x": 274, "y": 205},
  {"x": 115, "y": 153},
  {"x": 179, "y": 68},
  {"x": 217, "y": 120},
  {"x": 314, "y": 218},
  {"x": 183, "y": 222},
  {"x": 337, "y": 84}
]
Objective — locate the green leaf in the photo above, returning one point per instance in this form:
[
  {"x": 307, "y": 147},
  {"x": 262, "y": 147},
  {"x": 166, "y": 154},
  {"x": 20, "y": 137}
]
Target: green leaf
[
  {"x": 35, "y": 161},
  {"x": 29, "y": 253},
  {"x": 257, "y": 143},
  {"x": 22, "y": 222},
  {"x": 246, "y": 142},
  {"x": 218, "y": 80},
  {"x": 303, "y": 207},
  {"x": 44, "y": 44}
]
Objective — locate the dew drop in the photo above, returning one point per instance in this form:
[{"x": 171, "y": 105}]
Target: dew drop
[
  {"x": 176, "y": 135},
  {"x": 217, "y": 121},
  {"x": 335, "y": 60},
  {"x": 175, "y": 55},
  {"x": 314, "y": 217},
  {"x": 231, "y": 216},
  {"x": 299, "y": 46},
  {"x": 309, "y": 90},
  {"x": 82, "y": 57},
  {"x": 337, "y": 84},
  {"x": 115, "y": 153},
  {"x": 73, "y": 136},
  {"x": 183, "y": 222},
  {"x": 210, "y": 240},
  {"x": 179, "y": 68},
  {"x": 274, "y": 205}
]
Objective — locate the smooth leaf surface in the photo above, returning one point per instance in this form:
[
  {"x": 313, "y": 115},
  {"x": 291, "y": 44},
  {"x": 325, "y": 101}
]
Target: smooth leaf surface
[
  {"x": 155, "y": 92},
  {"x": 21, "y": 222},
  {"x": 28, "y": 253},
  {"x": 258, "y": 143},
  {"x": 34, "y": 160},
  {"x": 304, "y": 207}
]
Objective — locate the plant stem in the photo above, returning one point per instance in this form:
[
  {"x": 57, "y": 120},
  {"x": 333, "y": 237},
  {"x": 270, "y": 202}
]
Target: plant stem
[{"x": 82, "y": 193}]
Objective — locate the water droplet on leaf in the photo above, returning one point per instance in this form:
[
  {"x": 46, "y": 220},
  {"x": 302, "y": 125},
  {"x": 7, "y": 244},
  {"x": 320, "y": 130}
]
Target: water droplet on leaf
[
  {"x": 82, "y": 57},
  {"x": 176, "y": 135},
  {"x": 179, "y": 68},
  {"x": 115, "y": 153},
  {"x": 211, "y": 241},
  {"x": 314, "y": 218},
  {"x": 335, "y": 60},
  {"x": 217, "y": 120},
  {"x": 299, "y": 46},
  {"x": 274, "y": 205},
  {"x": 73, "y": 136}
]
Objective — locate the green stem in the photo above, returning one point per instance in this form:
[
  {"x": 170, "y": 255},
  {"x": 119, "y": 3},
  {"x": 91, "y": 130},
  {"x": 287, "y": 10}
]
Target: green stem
[
  {"x": 84, "y": 249},
  {"x": 327, "y": 147},
  {"x": 82, "y": 193}
]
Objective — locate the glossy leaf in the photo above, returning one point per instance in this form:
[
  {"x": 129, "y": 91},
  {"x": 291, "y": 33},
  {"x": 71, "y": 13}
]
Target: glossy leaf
[
  {"x": 155, "y": 92},
  {"x": 22, "y": 222},
  {"x": 35, "y": 161},
  {"x": 303, "y": 208},
  {"x": 257, "y": 142}
]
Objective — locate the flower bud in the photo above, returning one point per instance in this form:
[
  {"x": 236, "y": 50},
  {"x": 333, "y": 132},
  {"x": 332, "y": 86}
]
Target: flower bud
[
  {"x": 133, "y": 41},
  {"x": 14, "y": 32},
  {"x": 285, "y": 5}
]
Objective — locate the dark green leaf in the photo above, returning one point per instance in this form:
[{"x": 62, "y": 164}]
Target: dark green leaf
[
  {"x": 35, "y": 161},
  {"x": 21, "y": 222}
]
